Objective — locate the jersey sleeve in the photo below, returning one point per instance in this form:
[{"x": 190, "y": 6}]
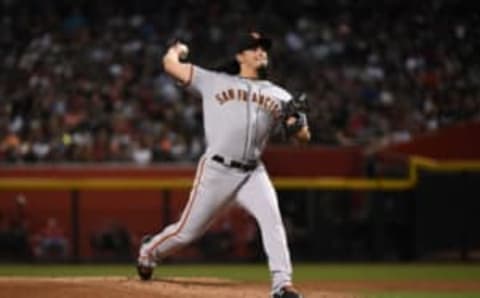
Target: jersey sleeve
[
  {"x": 282, "y": 94},
  {"x": 200, "y": 78}
]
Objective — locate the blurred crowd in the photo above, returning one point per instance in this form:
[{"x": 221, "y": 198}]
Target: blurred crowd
[
  {"x": 22, "y": 240},
  {"x": 81, "y": 81}
]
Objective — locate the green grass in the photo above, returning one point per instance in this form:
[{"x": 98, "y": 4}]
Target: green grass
[
  {"x": 388, "y": 272},
  {"x": 236, "y": 272},
  {"x": 259, "y": 272}
]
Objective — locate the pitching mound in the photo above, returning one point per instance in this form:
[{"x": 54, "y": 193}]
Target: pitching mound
[{"x": 123, "y": 287}]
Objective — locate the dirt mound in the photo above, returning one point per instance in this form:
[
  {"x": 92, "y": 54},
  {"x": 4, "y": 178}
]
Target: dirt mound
[{"x": 123, "y": 287}]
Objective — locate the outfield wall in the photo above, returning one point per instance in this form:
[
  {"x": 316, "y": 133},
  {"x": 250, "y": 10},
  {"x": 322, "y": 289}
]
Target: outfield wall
[{"x": 332, "y": 185}]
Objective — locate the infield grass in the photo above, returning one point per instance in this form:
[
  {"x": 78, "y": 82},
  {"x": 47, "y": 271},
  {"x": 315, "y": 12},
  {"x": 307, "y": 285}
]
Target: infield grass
[{"x": 259, "y": 272}]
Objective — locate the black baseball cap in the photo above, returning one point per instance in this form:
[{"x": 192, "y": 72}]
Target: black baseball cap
[{"x": 252, "y": 40}]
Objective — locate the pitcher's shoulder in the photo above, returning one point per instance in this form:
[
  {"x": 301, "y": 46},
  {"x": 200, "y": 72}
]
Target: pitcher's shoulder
[{"x": 278, "y": 92}]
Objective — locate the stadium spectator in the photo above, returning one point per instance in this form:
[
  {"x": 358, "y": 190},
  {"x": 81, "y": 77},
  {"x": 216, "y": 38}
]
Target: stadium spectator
[
  {"x": 50, "y": 242},
  {"x": 81, "y": 82},
  {"x": 113, "y": 242},
  {"x": 14, "y": 232}
]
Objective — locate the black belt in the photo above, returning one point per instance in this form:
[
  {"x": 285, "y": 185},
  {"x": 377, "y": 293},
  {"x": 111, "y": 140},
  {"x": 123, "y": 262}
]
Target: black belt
[{"x": 235, "y": 164}]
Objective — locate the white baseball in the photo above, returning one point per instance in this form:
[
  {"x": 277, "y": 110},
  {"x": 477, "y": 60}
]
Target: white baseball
[{"x": 182, "y": 50}]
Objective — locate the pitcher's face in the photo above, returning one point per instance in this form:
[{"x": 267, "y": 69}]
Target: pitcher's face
[{"x": 254, "y": 58}]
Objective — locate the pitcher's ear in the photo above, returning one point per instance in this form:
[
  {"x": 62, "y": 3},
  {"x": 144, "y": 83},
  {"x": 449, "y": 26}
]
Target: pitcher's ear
[{"x": 238, "y": 57}]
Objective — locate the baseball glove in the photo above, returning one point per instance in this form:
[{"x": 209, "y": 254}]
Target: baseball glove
[{"x": 295, "y": 109}]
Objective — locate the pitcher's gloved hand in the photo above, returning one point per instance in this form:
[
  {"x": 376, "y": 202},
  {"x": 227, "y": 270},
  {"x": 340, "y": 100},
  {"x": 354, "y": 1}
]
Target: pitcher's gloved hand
[{"x": 294, "y": 115}]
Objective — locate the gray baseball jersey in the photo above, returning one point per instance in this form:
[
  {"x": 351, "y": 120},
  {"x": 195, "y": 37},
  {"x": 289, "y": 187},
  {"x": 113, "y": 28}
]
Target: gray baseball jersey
[{"x": 239, "y": 113}]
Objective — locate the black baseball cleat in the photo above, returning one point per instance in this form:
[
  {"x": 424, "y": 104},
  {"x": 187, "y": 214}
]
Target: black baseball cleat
[
  {"x": 145, "y": 266},
  {"x": 287, "y": 292},
  {"x": 144, "y": 272}
]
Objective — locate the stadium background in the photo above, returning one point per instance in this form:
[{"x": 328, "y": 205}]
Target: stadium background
[{"x": 98, "y": 146}]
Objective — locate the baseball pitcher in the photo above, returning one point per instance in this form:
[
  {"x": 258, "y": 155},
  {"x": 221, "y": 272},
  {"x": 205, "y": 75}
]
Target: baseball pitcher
[{"x": 241, "y": 109}]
